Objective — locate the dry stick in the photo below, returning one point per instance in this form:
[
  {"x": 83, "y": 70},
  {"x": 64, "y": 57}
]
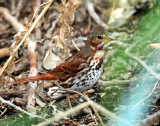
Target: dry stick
[
  {"x": 90, "y": 8},
  {"x": 16, "y": 25},
  {"x": 60, "y": 116},
  {"x": 75, "y": 45},
  {"x": 53, "y": 25},
  {"x": 36, "y": 11},
  {"x": 110, "y": 114},
  {"x": 33, "y": 72},
  {"x": 69, "y": 102},
  {"x": 85, "y": 97},
  {"x": 141, "y": 62},
  {"x": 99, "y": 118},
  {"x": 38, "y": 4},
  {"x": 3, "y": 112},
  {"x": 116, "y": 82},
  {"x": 148, "y": 94},
  {"x": 18, "y": 108},
  {"x": 155, "y": 45},
  {"x": 100, "y": 108},
  {"x": 25, "y": 36}
]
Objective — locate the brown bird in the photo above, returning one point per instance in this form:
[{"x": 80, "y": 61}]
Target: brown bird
[{"x": 83, "y": 70}]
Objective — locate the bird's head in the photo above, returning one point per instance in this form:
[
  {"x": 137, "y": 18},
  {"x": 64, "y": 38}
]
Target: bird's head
[{"x": 98, "y": 37}]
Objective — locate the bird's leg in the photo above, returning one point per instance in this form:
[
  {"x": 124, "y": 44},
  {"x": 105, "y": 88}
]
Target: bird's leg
[
  {"x": 96, "y": 113},
  {"x": 68, "y": 99},
  {"x": 60, "y": 87}
]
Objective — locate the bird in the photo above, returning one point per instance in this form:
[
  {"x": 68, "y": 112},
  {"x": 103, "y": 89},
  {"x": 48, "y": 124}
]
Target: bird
[{"x": 81, "y": 71}]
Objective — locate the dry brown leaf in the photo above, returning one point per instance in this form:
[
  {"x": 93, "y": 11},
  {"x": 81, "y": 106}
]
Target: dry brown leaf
[
  {"x": 65, "y": 20},
  {"x": 51, "y": 60},
  {"x": 71, "y": 7},
  {"x": 11, "y": 67},
  {"x": 154, "y": 45}
]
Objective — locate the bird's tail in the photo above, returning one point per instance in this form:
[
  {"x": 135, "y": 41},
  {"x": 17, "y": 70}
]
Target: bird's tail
[{"x": 40, "y": 77}]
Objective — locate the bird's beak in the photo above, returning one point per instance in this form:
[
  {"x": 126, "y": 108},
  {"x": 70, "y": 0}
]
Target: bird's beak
[{"x": 108, "y": 39}]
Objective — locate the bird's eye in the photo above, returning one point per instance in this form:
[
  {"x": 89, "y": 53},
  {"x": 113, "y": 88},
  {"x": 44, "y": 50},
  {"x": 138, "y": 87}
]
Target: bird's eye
[{"x": 99, "y": 37}]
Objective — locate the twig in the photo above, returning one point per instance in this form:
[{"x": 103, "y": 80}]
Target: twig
[
  {"x": 17, "y": 26},
  {"x": 90, "y": 8},
  {"x": 148, "y": 94},
  {"x": 60, "y": 116},
  {"x": 38, "y": 4},
  {"x": 19, "y": 8},
  {"x": 36, "y": 9},
  {"x": 25, "y": 36},
  {"x": 33, "y": 72},
  {"x": 3, "y": 112},
  {"x": 96, "y": 113},
  {"x": 109, "y": 113},
  {"x": 141, "y": 62},
  {"x": 69, "y": 101},
  {"x": 75, "y": 45},
  {"x": 19, "y": 108},
  {"x": 118, "y": 43},
  {"x": 32, "y": 58},
  {"x": 116, "y": 82},
  {"x": 5, "y": 93},
  {"x": 54, "y": 23},
  {"x": 100, "y": 108}
]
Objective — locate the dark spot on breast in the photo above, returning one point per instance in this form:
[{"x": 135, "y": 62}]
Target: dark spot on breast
[
  {"x": 98, "y": 66},
  {"x": 78, "y": 84},
  {"x": 83, "y": 81}
]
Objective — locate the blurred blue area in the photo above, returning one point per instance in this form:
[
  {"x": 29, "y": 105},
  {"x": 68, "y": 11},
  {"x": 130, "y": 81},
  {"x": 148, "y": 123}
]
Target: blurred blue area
[
  {"x": 143, "y": 92},
  {"x": 142, "y": 95}
]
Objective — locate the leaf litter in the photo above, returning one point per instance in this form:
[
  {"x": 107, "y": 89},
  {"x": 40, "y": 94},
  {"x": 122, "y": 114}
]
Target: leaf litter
[{"x": 59, "y": 34}]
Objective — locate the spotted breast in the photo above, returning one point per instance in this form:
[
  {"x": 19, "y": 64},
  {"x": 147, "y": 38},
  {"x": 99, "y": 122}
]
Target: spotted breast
[{"x": 89, "y": 76}]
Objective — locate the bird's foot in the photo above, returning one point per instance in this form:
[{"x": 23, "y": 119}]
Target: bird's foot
[{"x": 55, "y": 92}]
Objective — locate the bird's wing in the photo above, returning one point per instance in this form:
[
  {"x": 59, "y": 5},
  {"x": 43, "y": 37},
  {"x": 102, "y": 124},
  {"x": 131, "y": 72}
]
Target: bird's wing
[{"x": 71, "y": 66}]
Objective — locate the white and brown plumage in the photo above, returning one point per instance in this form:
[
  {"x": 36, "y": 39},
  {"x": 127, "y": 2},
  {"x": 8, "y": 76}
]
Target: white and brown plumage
[{"x": 83, "y": 70}]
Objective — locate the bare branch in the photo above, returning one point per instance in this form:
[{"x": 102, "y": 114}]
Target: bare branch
[
  {"x": 94, "y": 15},
  {"x": 18, "y": 108}
]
